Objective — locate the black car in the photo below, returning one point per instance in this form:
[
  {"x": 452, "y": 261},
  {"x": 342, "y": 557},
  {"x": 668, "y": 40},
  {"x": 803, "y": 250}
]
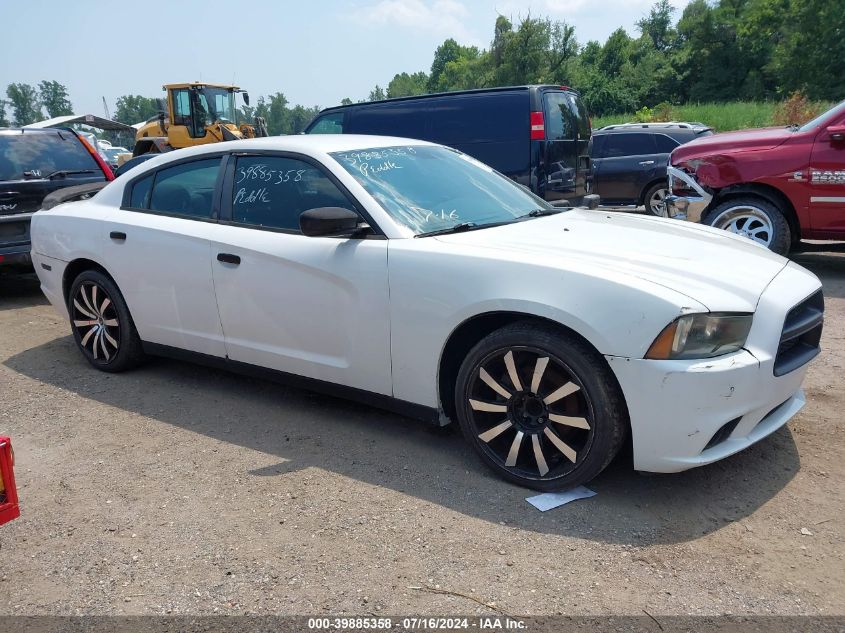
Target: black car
[
  {"x": 630, "y": 160},
  {"x": 33, "y": 164},
  {"x": 537, "y": 135}
]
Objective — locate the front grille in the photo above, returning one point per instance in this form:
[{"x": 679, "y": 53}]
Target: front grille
[
  {"x": 802, "y": 331},
  {"x": 722, "y": 434}
]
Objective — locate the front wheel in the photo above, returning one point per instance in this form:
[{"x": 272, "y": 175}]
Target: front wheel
[
  {"x": 541, "y": 408},
  {"x": 754, "y": 218}
]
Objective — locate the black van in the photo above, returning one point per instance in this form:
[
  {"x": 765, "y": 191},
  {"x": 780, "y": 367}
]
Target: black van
[{"x": 537, "y": 135}]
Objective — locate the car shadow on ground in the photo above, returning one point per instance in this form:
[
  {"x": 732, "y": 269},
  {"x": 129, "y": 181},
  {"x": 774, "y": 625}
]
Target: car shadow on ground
[
  {"x": 828, "y": 264},
  {"x": 20, "y": 290},
  {"x": 307, "y": 430}
]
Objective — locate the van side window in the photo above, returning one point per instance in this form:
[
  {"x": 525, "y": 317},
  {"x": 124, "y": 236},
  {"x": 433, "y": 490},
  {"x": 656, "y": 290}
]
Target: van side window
[
  {"x": 328, "y": 124},
  {"x": 558, "y": 117}
]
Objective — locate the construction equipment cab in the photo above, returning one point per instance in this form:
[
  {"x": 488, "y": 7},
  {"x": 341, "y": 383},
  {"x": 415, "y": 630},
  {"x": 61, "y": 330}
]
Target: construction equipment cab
[{"x": 196, "y": 114}]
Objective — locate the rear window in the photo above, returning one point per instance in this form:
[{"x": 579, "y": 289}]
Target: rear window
[
  {"x": 617, "y": 145},
  {"x": 665, "y": 145},
  {"x": 559, "y": 117},
  {"x": 186, "y": 189},
  {"x": 38, "y": 154},
  {"x": 395, "y": 119},
  {"x": 328, "y": 124}
]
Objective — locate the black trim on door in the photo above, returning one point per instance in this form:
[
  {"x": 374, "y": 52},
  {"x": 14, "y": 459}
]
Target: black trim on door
[{"x": 420, "y": 412}]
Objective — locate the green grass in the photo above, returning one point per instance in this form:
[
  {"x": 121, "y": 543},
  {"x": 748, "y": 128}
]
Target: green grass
[{"x": 720, "y": 116}]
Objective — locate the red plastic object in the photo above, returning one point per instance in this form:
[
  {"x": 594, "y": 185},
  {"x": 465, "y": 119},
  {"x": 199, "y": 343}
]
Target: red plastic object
[
  {"x": 538, "y": 128},
  {"x": 8, "y": 493}
]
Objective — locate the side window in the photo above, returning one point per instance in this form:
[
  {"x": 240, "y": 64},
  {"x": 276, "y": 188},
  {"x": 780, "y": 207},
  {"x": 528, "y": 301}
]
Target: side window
[
  {"x": 618, "y": 145},
  {"x": 581, "y": 117},
  {"x": 140, "y": 198},
  {"x": 181, "y": 108},
  {"x": 186, "y": 189},
  {"x": 665, "y": 144},
  {"x": 272, "y": 191},
  {"x": 558, "y": 118},
  {"x": 328, "y": 124}
]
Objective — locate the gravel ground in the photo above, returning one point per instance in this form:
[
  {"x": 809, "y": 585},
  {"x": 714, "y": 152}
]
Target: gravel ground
[{"x": 179, "y": 489}]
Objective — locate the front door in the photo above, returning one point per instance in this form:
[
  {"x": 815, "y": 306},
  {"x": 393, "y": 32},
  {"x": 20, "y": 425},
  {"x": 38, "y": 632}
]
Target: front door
[
  {"x": 314, "y": 307},
  {"x": 827, "y": 185}
]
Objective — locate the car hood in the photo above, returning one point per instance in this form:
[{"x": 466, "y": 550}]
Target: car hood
[
  {"x": 722, "y": 271},
  {"x": 757, "y": 139}
]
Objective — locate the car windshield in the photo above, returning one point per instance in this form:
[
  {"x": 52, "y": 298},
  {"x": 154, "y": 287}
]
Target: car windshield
[
  {"x": 832, "y": 113},
  {"x": 217, "y": 104},
  {"x": 433, "y": 188}
]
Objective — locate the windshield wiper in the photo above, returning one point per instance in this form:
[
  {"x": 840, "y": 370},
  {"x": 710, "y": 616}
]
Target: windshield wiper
[
  {"x": 68, "y": 172},
  {"x": 458, "y": 228},
  {"x": 539, "y": 213}
]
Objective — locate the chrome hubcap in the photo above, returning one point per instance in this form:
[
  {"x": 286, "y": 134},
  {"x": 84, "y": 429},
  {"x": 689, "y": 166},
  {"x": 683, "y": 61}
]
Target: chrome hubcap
[
  {"x": 657, "y": 202},
  {"x": 748, "y": 222},
  {"x": 530, "y": 413},
  {"x": 95, "y": 319}
]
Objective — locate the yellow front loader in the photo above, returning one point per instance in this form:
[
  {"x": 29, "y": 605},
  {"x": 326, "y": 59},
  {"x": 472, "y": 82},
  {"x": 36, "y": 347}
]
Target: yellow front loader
[{"x": 195, "y": 114}]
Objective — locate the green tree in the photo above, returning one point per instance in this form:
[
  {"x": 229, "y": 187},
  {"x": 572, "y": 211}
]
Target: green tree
[
  {"x": 131, "y": 109},
  {"x": 657, "y": 25},
  {"x": 810, "y": 54},
  {"x": 24, "y": 100},
  {"x": 277, "y": 114},
  {"x": 346, "y": 101},
  {"x": 405, "y": 85},
  {"x": 4, "y": 122},
  {"x": 377, "y": 94},
  {"x": 54, "y": 98}
]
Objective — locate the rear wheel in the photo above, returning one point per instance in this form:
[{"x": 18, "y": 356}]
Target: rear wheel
[
  {"x": 102, "y": 327},
  {"x": 754, "y": 218},
  {"x": 655, "y": 199},
  {"x": 540, "y": 408}
]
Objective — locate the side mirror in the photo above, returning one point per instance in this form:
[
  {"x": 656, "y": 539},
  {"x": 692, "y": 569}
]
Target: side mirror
[
  {"x": 330, "y": 222},
  {"x": 246, "y": 97},
  {"x": 837, "y": 133},
  {"x": 592, "y": 201}
]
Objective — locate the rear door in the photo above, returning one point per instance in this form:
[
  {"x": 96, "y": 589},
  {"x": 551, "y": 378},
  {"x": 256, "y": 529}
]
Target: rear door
[
  {"x": 625, "y": 163},
  {"x": 164, "y": 228},
  {"x": 561, "y": 154}
]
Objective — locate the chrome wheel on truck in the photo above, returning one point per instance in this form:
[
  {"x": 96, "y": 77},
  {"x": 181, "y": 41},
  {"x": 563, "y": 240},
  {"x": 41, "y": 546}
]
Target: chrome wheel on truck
[{"x": 755, "y": 219}]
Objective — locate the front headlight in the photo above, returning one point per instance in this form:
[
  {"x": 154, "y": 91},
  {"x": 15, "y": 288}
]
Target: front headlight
[{"x": 701, "y": 336}]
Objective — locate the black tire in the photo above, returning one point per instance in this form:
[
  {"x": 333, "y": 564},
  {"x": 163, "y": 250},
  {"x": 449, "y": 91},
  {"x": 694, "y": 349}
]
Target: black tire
[
  {"x": 102, "y": 326},
  {"x": 591, "y": 398},
  {"x": 650, "y": 199},
  {"x": 754, "y": 218}
]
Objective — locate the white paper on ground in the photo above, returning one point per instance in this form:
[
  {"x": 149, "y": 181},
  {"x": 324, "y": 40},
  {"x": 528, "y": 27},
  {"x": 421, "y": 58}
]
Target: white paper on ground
[{"x": 549, "y": 500}]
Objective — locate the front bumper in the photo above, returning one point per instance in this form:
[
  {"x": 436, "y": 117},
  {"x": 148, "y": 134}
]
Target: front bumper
[
  {"x": 690, "y": 413},
  {"x": 689, "y": 207}
]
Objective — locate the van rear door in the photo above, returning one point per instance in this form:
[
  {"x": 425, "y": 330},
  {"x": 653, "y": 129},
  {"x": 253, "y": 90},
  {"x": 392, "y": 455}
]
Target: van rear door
[{"x": 567, "y": 146}]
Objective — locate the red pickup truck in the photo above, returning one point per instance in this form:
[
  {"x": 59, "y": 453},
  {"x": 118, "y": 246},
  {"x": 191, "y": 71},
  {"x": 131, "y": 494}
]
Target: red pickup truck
[{"x": 773, "y": 185}]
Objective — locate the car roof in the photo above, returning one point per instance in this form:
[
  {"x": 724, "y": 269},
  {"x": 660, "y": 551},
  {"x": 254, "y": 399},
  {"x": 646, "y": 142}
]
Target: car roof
[
  {"x": 674, "y": 126},
  {"x": 302, "y": 143},
  {"x": 433, "y": 95}
]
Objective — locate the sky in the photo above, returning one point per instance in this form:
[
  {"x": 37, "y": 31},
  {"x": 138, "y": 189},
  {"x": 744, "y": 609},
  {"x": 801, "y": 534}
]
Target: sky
[{"x": 315, "y": 52}]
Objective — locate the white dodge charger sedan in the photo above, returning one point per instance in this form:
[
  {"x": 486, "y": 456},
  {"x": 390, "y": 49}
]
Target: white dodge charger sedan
[{"x": 410, "y": 276}]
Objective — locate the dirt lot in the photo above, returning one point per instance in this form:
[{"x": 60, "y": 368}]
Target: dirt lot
[{"x": 179, "y": 489}]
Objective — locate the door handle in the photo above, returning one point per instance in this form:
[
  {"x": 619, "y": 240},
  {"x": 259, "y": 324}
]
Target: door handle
[
  {"x": 228, "y": 258},
  {"x": 646, "y": 162},
  {"x": 118, "y": 235}
]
